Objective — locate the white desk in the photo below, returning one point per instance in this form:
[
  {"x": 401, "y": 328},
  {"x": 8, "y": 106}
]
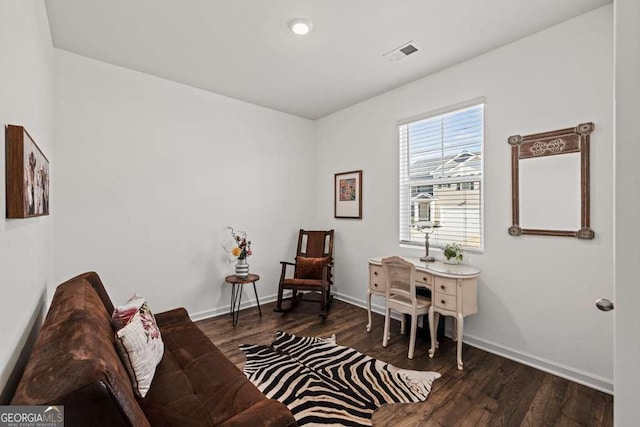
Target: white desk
[{"x": 454, "y": 292}]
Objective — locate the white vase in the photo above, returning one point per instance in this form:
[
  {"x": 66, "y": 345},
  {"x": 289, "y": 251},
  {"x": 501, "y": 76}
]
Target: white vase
[
  {"x": 242, "y": 268},
  {"x": 452, "y": 261}
]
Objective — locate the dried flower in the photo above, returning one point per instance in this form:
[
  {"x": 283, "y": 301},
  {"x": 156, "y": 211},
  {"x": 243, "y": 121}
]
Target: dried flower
[{"x": 241, "y": 247}]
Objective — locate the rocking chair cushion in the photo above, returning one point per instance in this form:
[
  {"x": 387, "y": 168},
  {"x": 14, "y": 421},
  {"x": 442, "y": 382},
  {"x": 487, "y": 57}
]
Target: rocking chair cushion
[
  {"x": 310, "y": 268},
  {"x": 295, "y": 283}
]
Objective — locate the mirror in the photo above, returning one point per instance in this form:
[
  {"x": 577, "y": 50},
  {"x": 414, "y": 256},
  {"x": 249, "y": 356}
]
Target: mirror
[
  {"x": 550, "y": 192},
  {"x": 550, "y": 183}
]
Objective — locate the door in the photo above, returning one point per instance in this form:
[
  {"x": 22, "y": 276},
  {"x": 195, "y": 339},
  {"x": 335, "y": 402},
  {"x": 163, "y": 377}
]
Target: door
[{"x": 627, "y": 212}]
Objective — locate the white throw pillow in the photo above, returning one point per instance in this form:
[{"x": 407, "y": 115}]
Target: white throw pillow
[
  {"x": 139, "y": 345},
  {"x": 123, "y": 313}
]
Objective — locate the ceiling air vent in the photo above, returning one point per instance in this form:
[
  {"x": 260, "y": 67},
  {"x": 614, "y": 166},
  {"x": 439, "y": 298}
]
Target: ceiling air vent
[{"x": 401, "y": 52}]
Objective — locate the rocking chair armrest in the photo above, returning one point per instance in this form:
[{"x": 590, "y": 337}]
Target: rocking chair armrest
[
  {"x": 287, "y": 263},
  {"x": 284, "y": 265}
]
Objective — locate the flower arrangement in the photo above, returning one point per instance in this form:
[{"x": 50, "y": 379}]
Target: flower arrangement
[
  {"x": 453, "y": 250},
  {"x": 241, "y": 247}
]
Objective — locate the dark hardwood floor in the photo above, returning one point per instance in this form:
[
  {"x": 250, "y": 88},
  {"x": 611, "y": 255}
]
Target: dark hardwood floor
[{"x": 491, "y": 390}]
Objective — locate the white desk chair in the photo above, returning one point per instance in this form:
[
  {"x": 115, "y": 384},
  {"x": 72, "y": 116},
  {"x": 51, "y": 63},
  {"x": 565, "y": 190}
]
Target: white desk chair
[{"x": 401, "y": 297}]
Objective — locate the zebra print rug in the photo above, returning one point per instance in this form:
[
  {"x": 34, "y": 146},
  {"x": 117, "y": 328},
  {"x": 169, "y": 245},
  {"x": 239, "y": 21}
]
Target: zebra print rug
[{"x": 323, "y": 383}]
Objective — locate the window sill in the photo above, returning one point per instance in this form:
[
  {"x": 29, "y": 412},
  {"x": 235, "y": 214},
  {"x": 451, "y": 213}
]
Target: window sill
[{"x": 478, "y": 251}]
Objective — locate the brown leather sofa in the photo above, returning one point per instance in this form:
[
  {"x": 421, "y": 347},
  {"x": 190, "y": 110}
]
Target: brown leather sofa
[{"x": 75, "y": 363}]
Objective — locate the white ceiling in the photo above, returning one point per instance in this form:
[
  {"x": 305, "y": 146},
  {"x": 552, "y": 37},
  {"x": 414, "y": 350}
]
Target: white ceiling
[{"x": 244, "y": 49}]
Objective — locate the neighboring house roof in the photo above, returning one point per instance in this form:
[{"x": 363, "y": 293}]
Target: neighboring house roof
[
  {"x": 462, "y": 164},
  {"x": 425, "y": 197},
  {"x": 458, "y": 165}
]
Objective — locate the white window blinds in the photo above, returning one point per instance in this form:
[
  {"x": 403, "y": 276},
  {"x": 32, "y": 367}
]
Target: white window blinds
[{"x": 441, "y": 177}]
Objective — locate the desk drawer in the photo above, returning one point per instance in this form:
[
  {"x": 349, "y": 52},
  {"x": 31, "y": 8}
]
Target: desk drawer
[
  {"x": 445, "y": 285},
  {"x": 448, "y": 302},
  {"x": 377, "y": 281},
  {"x": 425, "y": 278}
]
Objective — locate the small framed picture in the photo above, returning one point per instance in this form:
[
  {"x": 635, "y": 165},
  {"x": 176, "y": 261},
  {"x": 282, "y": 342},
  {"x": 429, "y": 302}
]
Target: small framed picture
[{"x": 348, "y": 195}]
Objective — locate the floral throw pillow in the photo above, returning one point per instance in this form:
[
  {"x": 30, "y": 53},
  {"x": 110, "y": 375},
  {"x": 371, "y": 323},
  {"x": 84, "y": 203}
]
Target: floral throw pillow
[
  {"x": 138, "y": 342},
  {"x": 123, "y": 313}
]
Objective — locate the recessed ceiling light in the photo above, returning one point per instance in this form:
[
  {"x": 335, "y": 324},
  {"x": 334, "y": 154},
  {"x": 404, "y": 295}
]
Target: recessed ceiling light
[{"x": 300, "y": 26}]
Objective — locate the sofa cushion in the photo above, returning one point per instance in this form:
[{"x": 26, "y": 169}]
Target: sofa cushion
[
  {"x": 74, "y": 361},
  {"x": 195, "y": 384},
  {"x": 93, "y": 278}
]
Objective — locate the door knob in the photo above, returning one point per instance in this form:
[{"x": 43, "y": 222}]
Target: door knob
[{"x": 604, "y": 304}]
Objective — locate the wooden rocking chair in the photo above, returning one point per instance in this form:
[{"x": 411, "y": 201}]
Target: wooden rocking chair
[{"x": 313, "y": 271}]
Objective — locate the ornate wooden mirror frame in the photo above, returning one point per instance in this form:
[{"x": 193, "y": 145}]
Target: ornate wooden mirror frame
[{"x": 563, "y": 141}]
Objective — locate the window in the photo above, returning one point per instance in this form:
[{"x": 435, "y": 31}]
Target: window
[{"x": 441, "y": 177}]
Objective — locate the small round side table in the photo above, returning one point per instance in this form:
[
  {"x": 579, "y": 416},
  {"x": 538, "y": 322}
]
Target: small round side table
[{"x": 236, "y": 293}]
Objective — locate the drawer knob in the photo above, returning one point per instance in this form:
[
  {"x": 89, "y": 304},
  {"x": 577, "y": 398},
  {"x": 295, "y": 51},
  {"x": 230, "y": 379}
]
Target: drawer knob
[
  {"x": 375, "y": 273},
  {"x": 441, "y": 286},
  {"x": 425, "y": 279},
  {"x": 443, "y": 301},
  {"x": 375, "y": 285}
]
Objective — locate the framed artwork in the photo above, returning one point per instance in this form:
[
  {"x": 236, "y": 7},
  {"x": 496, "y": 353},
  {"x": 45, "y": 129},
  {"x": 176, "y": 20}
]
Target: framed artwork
[
  {"x": 348, "y": 195},
  {"x": 27, "y": 175}
]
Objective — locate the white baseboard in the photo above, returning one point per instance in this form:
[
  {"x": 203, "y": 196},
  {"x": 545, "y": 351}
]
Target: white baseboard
[
  {"x": 576, "y": 375},
  {"x": 376, "y": 308},
  {"x": 218, "y": 311}
]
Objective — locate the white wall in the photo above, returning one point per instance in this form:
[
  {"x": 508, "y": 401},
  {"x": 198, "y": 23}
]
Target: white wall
[
  {"x": 536, "y": 294},
  {"x": 26, "y": 96},
  {"x": 627, "y": 211},
  {"x": 150, "y": 172},
  {"x": 147, "y": 172}
]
